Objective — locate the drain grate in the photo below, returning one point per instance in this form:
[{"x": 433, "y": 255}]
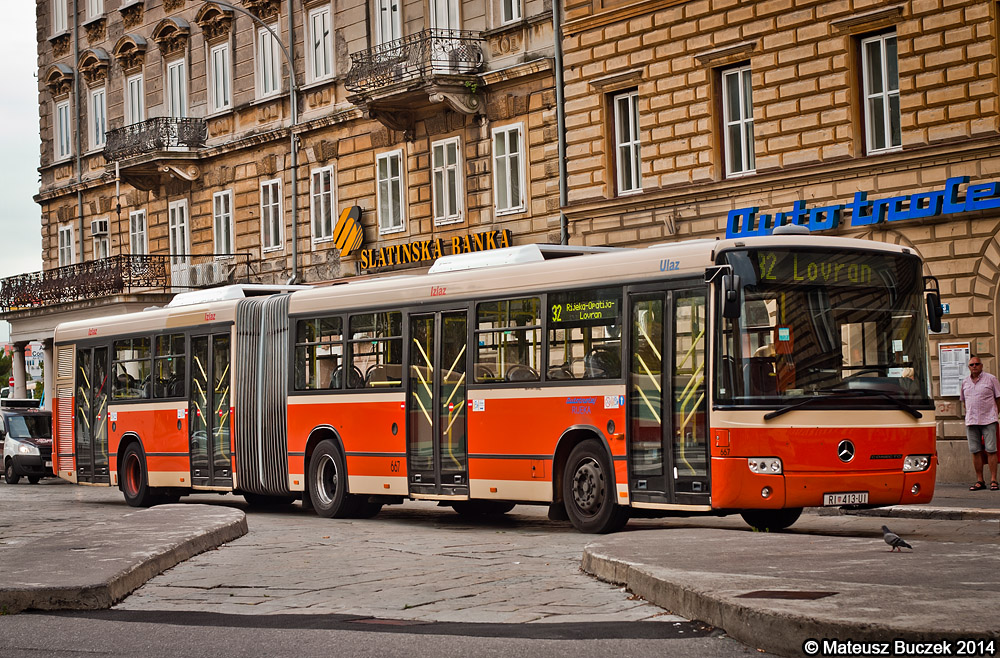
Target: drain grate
[{"x": 798, "y": 595}]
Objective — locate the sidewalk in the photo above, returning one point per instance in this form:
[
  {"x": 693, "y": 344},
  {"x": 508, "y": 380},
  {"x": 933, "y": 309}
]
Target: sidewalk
[
  {"x": 827, "y": 578},
  {"x": 92, "y": 569}
]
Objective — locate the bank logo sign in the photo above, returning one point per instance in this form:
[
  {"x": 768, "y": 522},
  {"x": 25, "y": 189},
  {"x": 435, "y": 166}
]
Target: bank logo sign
[{"x": 746, "y": 222}]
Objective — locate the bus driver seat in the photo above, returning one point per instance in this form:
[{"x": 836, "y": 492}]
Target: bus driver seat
[{"x": 759, "y": 372}]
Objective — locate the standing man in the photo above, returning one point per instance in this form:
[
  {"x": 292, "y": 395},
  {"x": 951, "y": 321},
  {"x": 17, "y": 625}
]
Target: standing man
[{"x": 981, "y": 393}]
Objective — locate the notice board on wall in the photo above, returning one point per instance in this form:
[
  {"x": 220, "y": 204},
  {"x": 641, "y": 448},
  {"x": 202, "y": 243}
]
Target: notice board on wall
[{"x": 953, "y": 365}]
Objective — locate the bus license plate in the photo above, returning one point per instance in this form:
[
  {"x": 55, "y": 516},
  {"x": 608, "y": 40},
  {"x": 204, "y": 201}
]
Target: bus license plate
[{"x": 856, "y": 498}]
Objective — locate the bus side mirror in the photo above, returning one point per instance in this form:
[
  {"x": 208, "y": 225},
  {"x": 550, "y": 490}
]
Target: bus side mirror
[
  {"x": 934, "y": 311},
  {"x": 731, "y": 296}
]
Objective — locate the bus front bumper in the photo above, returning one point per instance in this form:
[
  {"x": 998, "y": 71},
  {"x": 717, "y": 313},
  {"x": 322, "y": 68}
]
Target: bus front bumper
[{"x": 734, "y": 487}]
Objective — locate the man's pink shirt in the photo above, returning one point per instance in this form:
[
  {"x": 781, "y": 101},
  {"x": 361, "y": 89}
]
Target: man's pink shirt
[{"x": 980, "y": 398}]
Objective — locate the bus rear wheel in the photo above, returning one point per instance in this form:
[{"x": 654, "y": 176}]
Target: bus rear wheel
[
  {"x": 589, "y": 491},
  {"x": 134, "y": 478},
  {"x": 328, "y": 483},
  {"x": 771, "y": 520}
]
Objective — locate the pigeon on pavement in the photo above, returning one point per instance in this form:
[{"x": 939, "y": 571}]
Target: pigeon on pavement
[{"x": 894, "y": 540}]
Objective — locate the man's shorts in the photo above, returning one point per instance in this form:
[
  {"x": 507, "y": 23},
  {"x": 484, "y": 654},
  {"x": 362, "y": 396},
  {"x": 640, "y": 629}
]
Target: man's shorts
[{"x": 982, "y": 437}]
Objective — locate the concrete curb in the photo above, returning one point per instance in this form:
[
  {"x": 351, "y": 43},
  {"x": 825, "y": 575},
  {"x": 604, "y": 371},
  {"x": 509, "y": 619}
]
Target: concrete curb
[
  {"x": 96, "y": 568},
  {"x": 860, "y": 612},
  {"x": 916, "y": 512}
]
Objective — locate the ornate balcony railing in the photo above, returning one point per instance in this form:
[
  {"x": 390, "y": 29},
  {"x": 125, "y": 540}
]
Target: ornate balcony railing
[
  {"x": 121, "y": 274},
  {"x": 158, "y": 134},
  {"x": 419, "y": 56}
]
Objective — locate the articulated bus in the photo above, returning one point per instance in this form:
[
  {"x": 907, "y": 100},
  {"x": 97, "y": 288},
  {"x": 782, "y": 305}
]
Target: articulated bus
[{"x": 755, "y": 376}]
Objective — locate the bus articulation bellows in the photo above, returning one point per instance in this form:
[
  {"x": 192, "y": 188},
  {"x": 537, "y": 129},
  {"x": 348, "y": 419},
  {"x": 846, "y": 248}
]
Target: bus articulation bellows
[{"x": 756, "y": 376}]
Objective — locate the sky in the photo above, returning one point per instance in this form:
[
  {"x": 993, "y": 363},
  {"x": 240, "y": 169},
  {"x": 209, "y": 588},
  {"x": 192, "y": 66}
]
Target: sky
[{"x": 20, "y": 216}]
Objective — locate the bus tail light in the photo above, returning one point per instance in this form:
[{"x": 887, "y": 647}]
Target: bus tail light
[
  {"x": 916, "y": 463},
  {"x": 765, "y": 465}
]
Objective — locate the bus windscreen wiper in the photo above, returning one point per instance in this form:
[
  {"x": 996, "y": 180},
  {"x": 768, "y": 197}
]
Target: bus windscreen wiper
[{"x": 844, "y": 392}]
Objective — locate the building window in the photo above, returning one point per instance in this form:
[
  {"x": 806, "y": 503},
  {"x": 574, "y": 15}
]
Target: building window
[
  {"x": 101, "y": 247},
  {"x": 135, "y": 105},
  {"x": 176, "y": 89},
  {"x": 268, "y": 63},
  {"x": 389, "y": 167},
  {"x": 63, "y": 130},
  {"x": 510, "y": 11},
  {"x": 137, "y": 233},
  {"x": 222, "y": 215},
  {"x": 219, "y": 71},
  {"x": 98, "y": 118},
  {"x": 508, "y": 169},
  {"x": 323, "y": 203},
  {"x": 446, "y": 166},
  {"x": 59, "y": 16},
  {"x": 270, "y": 214},
  {"x": 628, "y": 173},
  {"x": 66, "y": 246},
  {"x": 177, "y": 212},
  {"x": 737, "y": 110},
  {"x": 320, "y": 44},
  {"x": 388, "y": 23},
  {"x": 880, "y": 71},
  {"x": 95, "y": 9}
]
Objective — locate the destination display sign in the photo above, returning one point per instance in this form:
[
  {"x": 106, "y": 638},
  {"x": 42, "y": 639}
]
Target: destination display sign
[
  {"x": 824, "y": 268},
  {"x": 594, "y": 309}
]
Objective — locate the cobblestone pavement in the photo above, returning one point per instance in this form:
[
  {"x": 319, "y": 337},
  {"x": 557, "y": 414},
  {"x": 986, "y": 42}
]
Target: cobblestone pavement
[{"x": 418, "y": 561}]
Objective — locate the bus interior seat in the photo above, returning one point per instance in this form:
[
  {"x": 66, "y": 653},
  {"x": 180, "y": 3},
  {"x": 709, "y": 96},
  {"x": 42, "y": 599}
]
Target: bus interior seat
[
  {"x": 760, "y": 374},
  {"x": 521, "y": 373},
  {"x": 602, "y": 362},
  {"x": 561, "y": 371},
  {"x": 484, "y": 374}
]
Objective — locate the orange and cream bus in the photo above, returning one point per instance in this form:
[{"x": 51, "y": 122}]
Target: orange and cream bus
[{"x": 756, "y": 376}]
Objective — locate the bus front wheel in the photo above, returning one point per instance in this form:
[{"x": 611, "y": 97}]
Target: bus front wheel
[
  {"x": 589, "y": 491},
  {"x": 771, "y": 520},
  {"x": 328, "y": 483}
]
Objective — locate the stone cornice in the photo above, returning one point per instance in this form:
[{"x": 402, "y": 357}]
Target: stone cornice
[{"x": 610, "y": 16}]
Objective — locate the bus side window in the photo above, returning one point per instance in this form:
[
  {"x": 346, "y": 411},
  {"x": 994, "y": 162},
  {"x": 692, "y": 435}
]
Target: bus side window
[
  {"x": 584, "y": 337},
  {"x": 319, "y": 351},
  {"x": 508, "y": 339},
  {"x": 375, "y": 351},
  {"x": 133, "y": 368}
]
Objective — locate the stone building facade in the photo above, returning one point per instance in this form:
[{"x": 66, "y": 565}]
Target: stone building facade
[
  {"x": 443, "y": 73},
  {"x": 761, "y": 105}
]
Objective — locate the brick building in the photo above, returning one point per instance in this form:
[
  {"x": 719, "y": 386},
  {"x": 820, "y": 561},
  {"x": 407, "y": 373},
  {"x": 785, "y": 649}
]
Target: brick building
[{"x": 683, "y": 117}]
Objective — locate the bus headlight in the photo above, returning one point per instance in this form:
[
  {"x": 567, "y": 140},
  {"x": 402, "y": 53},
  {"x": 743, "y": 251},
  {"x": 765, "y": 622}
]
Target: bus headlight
[
  {"x": 765, "y": 465},
  {"x": 914, "y": 463}
]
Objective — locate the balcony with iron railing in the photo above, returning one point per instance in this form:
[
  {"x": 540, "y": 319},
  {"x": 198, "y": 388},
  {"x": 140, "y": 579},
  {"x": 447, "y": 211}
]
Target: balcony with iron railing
[
  {"x": 148, "y": 153},
  {"x": 160, "y": 134},
  {"x": 437, "y": 65},
  {"x": 123, "y": 274}
]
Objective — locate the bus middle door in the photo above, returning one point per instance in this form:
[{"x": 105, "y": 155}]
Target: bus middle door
[
  {"x": 436, "y": 404},
  {"x": 208, "y": 411}
]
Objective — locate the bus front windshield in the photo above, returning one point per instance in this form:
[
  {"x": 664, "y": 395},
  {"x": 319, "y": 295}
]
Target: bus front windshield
[{"x": 836, "y": 323}]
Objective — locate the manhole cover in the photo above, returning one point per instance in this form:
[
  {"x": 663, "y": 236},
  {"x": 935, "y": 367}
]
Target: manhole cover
[{"x": 799, "y": 595}]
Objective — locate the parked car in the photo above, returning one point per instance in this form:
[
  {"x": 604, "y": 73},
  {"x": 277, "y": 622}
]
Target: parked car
[{"x": 26, "y": 433}]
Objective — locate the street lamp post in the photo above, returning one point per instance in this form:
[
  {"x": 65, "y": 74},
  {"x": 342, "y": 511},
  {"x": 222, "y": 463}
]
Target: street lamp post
[{"x": 293, "y": 101}]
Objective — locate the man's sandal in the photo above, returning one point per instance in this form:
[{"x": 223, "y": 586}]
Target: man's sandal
[
  {"x": 978, "y": 486},
  {"x": 994, "y": 486}
]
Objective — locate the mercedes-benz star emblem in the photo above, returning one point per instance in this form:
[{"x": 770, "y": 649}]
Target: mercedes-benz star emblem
[{"x": 845, "y": 450}]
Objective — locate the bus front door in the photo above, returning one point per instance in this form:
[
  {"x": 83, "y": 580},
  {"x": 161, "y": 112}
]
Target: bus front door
[
  {"x": 436, "y": 404},
  {"x": 91, "y": 427},
  {"x": 208, "y": 411},
  {"x": 667, "y": 430}
]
